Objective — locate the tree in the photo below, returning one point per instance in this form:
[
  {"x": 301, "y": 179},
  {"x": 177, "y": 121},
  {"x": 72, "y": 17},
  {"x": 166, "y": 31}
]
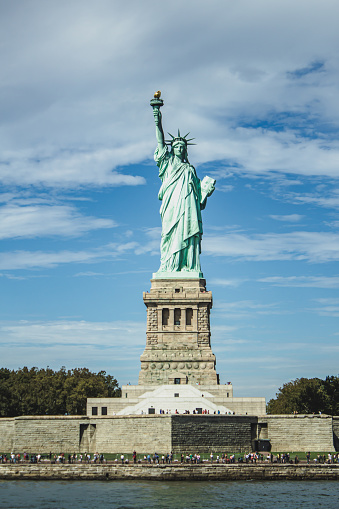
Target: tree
[
  {"x": 306, "y": 396},
  {"x": 44, "y": 391},
  {"x": 82, "y": 384},
  {"x": 5, "y": 392},
  {"x": 332, "y": 388}
]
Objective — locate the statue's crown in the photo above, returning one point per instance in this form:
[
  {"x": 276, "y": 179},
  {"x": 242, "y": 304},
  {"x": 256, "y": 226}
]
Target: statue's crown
[{"x": 180, "y": 139}]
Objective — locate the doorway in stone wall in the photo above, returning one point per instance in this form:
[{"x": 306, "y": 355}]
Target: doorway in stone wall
[{"x": 87, "y": 437}]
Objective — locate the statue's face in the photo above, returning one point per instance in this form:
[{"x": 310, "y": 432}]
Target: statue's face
[{"x": 179, "y": 150}]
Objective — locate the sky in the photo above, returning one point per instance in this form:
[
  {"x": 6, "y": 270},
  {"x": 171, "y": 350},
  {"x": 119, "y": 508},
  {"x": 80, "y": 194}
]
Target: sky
[{"x": 255, "y": 82}]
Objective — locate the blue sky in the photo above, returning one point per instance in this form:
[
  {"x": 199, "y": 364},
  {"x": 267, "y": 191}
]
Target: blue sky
[{"x": 256, "y": 84}]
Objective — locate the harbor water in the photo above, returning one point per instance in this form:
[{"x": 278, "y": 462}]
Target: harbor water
[{"x": 168, "y": 495}]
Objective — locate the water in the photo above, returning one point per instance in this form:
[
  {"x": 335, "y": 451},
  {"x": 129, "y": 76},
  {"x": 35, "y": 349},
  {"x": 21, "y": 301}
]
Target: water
[{"x": 168, "y": 495}]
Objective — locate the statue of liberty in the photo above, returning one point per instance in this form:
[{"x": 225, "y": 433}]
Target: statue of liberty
[{"x": 183, "y": 198}]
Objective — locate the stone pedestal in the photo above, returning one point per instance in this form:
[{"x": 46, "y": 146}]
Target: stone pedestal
[{"x": 178, "y": 349}]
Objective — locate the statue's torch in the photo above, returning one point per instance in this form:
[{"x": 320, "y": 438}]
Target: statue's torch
[{"x": 156, "y": 102}]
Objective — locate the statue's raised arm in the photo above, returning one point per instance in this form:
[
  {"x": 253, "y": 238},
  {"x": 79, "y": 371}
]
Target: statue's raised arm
[
  {"x": 183, "y": 198},
  {"x": 156, "y": 104}
]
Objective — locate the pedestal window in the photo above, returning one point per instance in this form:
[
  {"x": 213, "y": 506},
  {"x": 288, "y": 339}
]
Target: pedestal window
[
  {"x": 189, "y": 316},
  {"x": 165, "y": 316}
]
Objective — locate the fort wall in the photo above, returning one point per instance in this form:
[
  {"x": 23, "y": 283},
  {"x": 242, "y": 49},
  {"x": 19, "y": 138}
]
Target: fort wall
[
  {"x": 165, "y": 433},
  {"x": 336, "y": 432},
  {"x": 299, "y": 432},
  {"x": 6, "y": 434},
  {"x": 207, "y": 433},
  {"x": 144, "y": 433},
  {"x": 46, "y": 433}
]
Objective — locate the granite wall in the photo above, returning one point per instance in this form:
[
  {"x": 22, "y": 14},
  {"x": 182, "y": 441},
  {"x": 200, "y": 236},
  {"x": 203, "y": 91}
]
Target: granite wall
[
  {"x": 163, "y": 433},
  {"x": 72, "y": 434},
  {"x": 46, "y": 433},
  {"x": 299, "y": 432},
  {"x": 6, "y": 434},
  {"x": 201, "y": 472},
  {"x": 206, "y": 433},
  {"x": 336, "y": 432},
  {"x": 144, "y": 433}
]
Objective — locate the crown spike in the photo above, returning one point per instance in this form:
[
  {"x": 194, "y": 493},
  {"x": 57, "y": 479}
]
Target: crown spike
[{"x": 179, "y": 138}]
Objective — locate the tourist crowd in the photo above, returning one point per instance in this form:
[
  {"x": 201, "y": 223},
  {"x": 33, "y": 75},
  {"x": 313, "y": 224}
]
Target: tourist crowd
[
  {"x": 52, "y": 458},
  {"x": 196, "y": 458},
  {"x": 176, "y": 412}
]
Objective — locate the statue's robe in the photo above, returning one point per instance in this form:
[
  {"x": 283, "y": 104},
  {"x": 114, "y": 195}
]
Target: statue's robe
[{"x": 180, "y": 212}]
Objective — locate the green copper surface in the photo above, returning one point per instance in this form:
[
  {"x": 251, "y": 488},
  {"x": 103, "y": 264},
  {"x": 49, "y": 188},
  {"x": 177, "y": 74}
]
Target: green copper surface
[{"x": 183, "y": 198}]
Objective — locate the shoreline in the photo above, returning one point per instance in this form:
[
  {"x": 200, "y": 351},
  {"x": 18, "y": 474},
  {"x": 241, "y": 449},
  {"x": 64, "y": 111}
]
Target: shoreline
[{"x": 111, "y": 472}]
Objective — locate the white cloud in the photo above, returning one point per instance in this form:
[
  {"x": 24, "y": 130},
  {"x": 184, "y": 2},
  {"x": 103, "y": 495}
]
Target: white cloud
[
  {"x": 303, "y": 281},
  {"x": 316, "y": 247},
  {"x": 328, "y": 311},
  {"x": 260, "y": 151},
  {"x": 290, "y": 218},
  {"x": 226, "y": 282},
  {"x": 109, "y": 274},
  {"x": 328, "y": 300},
  {"x": 329, "y": 307},
  {"x": 246, "y": 309},
  {"x": 329, "y": 201},
  {"x": 152, "y": 245},
  {"x": 90, "y": 274},
  {"x": 270, "y": 362},
  {"x": 11, "y": 276},
  {"x": 46, "y": 220},
  {"x": 73, "y": 343},
  {"x": 283, "y": 182},
  {"x": 41, "y": 259},
  {"x": 97, "y": 334},
  {"x": 330, "y": 348},
  {"x": 76, "y": 91},
  {"x": 222, "y": 329},
  {"x": 333, "y": 224},
  {"x": 225, "y": 188},
  {"x": 73, "y": 167}
]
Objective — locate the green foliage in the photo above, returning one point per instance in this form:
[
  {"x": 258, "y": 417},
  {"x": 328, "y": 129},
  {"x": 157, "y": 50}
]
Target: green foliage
[
  {"x": 44, "y": 391},
  {"x": 307, "y": 396},
  {"x": 332, "y": 387}
]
